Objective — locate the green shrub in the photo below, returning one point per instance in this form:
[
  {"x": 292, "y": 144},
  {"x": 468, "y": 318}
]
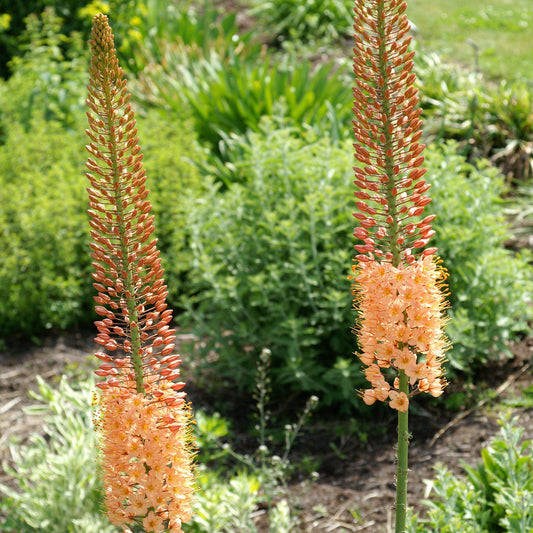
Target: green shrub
[
  {"x": 487, "y": 121},
  {"x": 147, "y": 28},
  {"x": 43, "y": 229},
  {"x": 497, "y": 496},
  {"x": 45, "y": 267},
  {"x": 273, "y": 252},
  {"x": 271, "y": 262},
  {"x": 306, "y": 20},
  {"x": 490, "y": 287},
  {"x": 58, "y": 487},
  {"x": 170, "y": 151},
  {"x": 45, "y": 82}
]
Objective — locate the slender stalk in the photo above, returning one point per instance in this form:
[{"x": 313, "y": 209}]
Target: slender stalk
[
  {"x": 389, "y": 162},
  {"x": 402, "y": 453}
]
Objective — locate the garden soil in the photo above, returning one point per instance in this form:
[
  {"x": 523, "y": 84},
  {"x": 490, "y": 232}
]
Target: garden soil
[{"x": 354, "y": 491}]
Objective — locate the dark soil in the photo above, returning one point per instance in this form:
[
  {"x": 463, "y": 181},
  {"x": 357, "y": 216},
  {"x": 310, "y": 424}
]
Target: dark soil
[{"x": 355, "y": 488}]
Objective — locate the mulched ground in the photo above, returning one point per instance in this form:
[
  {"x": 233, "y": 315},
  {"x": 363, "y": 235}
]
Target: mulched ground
[{"x": 355, "y": 488}]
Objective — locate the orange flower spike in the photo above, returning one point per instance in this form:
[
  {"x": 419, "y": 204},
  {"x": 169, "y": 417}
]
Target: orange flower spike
[
  {"x": 397, "y": 285},
  {"x": 144, "y": 421},
  {"x": 128, "y": 274},
  {"x": 387, "y": 129}
]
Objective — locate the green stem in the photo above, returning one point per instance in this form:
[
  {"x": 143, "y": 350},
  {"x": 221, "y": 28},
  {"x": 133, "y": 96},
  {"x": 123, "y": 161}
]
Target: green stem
[
  {"x": 393, "y": 230},
  {"x": 127, "y": 276},
  {"x": 403, "y": 449}
]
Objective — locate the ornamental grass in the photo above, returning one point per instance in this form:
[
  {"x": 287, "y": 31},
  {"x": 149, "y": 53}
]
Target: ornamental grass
[
  {"x": 143, "y": 420},
  {"x": 398, "y": 281}
]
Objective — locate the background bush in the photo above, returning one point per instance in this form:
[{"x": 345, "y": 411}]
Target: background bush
[
  {"x": 44, "y": 229},
  {"x": 271, "y": 261},
  {"x": 272, "y": 255},
  {"x": 490, "y": 287},
  {"x": 230, "y": 94},
  {"x": 305, "y": 20}
]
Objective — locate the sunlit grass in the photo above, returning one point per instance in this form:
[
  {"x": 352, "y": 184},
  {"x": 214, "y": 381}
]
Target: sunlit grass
[{"x": 501, "y": 30}]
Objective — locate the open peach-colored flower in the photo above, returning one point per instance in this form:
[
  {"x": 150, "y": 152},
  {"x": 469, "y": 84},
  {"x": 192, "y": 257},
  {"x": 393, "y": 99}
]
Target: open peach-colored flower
[
  {"x": 399, "y": 401},
  {"x": 397, "y": 332}
]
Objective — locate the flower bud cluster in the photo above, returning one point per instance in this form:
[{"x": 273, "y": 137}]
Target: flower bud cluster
[{"x": 391, "y": 194}]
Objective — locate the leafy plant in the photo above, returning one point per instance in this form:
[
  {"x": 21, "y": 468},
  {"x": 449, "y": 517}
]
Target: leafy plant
[
  {"x": 497, "y": 496},
  {"x": 45, "y": 81},
  {"x": 271, "y": 254},
  {"x": 276, "y": 276},
  {"x": 57, "y": 486},
  {"x": 490, "y": 286},
  {"x": 230, "y": 95},
  {"x": 151, "y": 25},
  {"x": 306, "y": 20},
  {"x": 487, "y": 121},
  {"x": 42, "y": 226}
]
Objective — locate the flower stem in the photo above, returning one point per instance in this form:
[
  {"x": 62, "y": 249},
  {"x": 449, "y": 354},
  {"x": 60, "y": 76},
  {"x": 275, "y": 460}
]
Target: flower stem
[{"x": 403, "y": 448}]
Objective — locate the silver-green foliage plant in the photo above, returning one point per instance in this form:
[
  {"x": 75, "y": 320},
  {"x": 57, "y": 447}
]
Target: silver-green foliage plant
[
  {"x": 490, "y": 286},
  {"x": 270, "y": 255},
  {"x": 495, "y": 497},
  {"x": 55, "y": 487},
  {"x": 57, "y": 484}
]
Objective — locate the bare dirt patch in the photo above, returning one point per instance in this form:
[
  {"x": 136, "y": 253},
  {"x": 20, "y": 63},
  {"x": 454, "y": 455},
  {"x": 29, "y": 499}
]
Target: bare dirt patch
[{"x": 355, "y": 489}]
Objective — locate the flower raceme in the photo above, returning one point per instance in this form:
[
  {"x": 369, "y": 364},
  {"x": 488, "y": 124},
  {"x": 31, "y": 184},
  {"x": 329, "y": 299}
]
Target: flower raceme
[
  {"x": 398, "y": 284},
  {"x": 143, "y": 419},
  {"x": 400, "y": 328},
  {"x": 390, "y": 189}
]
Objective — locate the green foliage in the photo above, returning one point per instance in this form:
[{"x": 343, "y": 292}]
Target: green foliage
[
  {"x": 495, "y": 497},
  {"x": 271, "y": 256},
  {"x": 44, "y": 232},
  {"x": 148, "y": 28},
  {"x": 169, "y": 146},
  {"x": 490, "y": 287},
  {"x": 271, "y": 261},
  {"x": 229, "y": 95},
  {"x": 45, "y": 82},
  {"x": 43, "y": 229},
  {"x": 306, "y": 20},
  {"x": 58, "y": 487},
  {"x": 227, "y": 504},
  {"x": 492, "y": 122}
]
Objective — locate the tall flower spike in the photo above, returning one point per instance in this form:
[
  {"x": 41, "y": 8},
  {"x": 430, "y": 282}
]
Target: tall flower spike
[
  {"x": 397, "y": 285},
  {"x": 390, "y": 189},
  {"x": 144, "y": 420}
]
